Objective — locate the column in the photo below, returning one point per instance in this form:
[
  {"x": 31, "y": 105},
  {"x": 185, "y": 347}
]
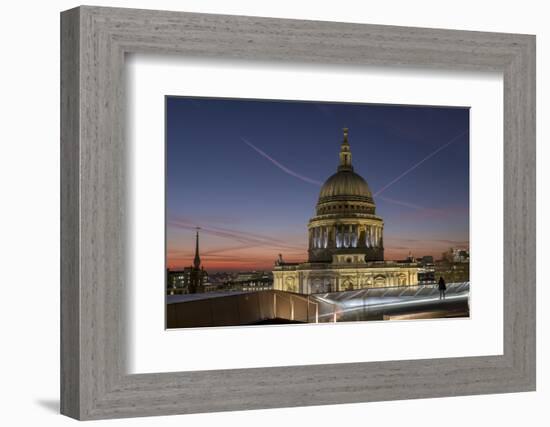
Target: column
[
  {"x": 370, "y": 236},
  {"x": 315, "y": 240},
  {"x": 332, "y": 237},
  {"x": 345, "y": 236}
]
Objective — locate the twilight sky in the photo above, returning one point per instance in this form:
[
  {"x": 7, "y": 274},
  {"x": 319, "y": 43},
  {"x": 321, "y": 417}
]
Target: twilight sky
[{"x": 249, "y": 173}]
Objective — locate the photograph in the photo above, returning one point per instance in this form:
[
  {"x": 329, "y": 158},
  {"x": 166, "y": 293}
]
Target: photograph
[
  {"x": 275, "y": 214},
  {"x": 296, "y": 212}
]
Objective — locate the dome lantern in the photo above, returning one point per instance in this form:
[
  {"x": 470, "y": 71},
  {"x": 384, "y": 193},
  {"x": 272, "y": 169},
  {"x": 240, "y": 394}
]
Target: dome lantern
[
  {"x": 345, "y": 154},
  {"x": 345, "y": 184}
]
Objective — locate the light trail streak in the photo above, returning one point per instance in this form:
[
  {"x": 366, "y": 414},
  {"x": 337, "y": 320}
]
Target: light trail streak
[
  {"x": 418, "y": 302},
  {"x": 354, "y": 301}
]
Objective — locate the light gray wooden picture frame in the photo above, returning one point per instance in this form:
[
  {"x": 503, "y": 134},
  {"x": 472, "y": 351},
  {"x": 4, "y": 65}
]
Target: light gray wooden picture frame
[{"x": 94, "y": 381}]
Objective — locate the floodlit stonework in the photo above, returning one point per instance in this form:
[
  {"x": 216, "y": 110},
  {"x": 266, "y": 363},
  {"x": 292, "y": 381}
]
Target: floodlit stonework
[{"x": 346, "y": 242}]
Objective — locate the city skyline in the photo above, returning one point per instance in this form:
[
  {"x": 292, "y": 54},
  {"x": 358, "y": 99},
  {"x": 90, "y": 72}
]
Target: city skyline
[{"x": 248, "y": 173}]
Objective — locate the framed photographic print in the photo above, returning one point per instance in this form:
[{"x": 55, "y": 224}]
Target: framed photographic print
[
  {"x": 294, "y": 210},
  {"x": 362, "y": 245}
]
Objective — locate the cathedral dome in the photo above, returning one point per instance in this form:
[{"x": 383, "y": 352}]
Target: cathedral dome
[
  {"x": 344, "y": 184},
  {"x": 345, "y": 222}
]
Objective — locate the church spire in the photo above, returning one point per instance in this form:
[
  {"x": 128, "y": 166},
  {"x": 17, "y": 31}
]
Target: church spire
[
  {"x": 345, "y": 154},
  {"x": 197, "y": 260}
]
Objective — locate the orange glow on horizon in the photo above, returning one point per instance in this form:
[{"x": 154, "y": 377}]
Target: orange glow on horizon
[{"x": 249, "y": 260}]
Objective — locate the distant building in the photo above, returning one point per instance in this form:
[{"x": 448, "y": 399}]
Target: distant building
[
  {"x": 454, "y": 265},
  {"x": 456, "y": 255},
  {"x": 177, "y": 282},
  {"x": 211, "y": 287},
  {"x": 453, "y": 271},
  {"x": 410, "y": 257},
  {"x": 190, "y": 280},
  {"x": 346, "y": 245},
  {"x": 251, "y": 281}
]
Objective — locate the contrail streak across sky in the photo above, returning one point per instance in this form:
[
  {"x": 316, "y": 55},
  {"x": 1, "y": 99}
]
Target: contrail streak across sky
[
  {"x": 413, "y": 167},
  {"x": 315, "y": 182},
  {"x": 235, "y": 235},
  {"x": 281, "y": 166},
  {"x": 401, "y": 203}
]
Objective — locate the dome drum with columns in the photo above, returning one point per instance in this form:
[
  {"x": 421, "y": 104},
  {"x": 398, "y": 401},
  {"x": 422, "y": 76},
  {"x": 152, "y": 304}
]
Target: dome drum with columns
[{"x": 345, "y": 241}]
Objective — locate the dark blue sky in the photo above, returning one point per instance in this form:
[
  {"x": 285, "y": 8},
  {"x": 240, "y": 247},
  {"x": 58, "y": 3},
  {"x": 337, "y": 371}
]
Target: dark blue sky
[{"x": 251, "y": 205}]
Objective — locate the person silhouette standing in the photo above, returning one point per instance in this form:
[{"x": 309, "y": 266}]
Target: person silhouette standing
[{"x": 442, "y": 287}]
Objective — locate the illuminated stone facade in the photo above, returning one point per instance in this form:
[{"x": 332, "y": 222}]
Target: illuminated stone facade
[{"x": 345, "y": 241}]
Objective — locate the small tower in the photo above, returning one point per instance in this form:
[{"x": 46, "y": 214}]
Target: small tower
[
  {"x": 198, "y": 274},
  {"x": 197, "y": 260}
]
